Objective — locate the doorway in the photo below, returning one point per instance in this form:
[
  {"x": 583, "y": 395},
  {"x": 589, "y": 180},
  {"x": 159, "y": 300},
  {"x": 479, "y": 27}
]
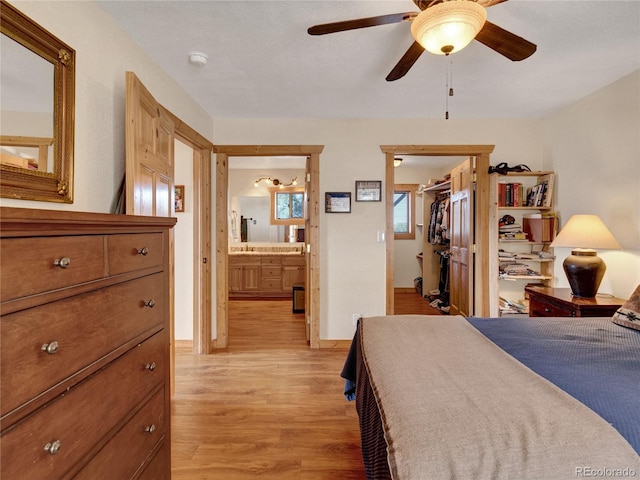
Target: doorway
[
  {"x": 312, "y": 237},
  {"x": 482, "y": 153},
  {"x": 421, "y": 240}
]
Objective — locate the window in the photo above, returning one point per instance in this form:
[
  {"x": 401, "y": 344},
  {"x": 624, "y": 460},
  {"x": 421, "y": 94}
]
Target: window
[
  {"x": 404, "y": 208},
  {"x": 287, "y": 206}
]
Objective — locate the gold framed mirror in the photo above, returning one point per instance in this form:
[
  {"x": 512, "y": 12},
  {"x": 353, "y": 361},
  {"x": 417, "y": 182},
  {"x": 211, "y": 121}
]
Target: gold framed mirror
[{"x": 37, "y": 80}]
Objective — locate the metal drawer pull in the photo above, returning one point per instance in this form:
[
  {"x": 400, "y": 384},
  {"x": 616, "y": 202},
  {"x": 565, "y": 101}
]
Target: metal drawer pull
[
  {"x": 143, "y": 251},
  {"x": 53, "y": 447},
  {"x": 151, "y": 303},
  {"x": 151, "y": 366},
  {"x": 50, "y": 348},
  {"x": 63, "y": 262},
  {"x": 150, "y": 429}
]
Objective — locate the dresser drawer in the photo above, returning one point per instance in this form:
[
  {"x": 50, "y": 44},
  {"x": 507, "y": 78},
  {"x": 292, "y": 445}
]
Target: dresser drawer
[
  {"x": 85, "y": 328},
  {"x": 131, "y": 252},
  {"x": 244, "y": 259},
  {"x": 131, "y": 446},
  {"x": 157, "y": 468},
  {"x": 297, "y": 260},
  {"x": 274, "y": 271},
  {"x": 540, "y": 308},
  {"x": 77, "y": 421},
  {"x": 271, "y": 260},
  {"x": 29, "y": 264},
  {"x": 270, "y": 284}
]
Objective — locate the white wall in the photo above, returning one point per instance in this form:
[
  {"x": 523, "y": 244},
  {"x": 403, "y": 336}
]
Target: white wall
[
  {"x": 352, "y": 262},
  {"x": 103, "y": 54},
  {"x": 183, "y": 240},
  {"x": 594, "y": 148}
]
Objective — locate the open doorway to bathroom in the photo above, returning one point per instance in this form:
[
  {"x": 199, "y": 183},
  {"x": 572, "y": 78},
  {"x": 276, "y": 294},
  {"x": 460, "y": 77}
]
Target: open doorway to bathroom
[{"x": 230, "y": 225}]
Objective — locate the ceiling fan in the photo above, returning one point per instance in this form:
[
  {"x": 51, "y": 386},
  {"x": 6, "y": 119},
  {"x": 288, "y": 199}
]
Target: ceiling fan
[{"x": 442, "y": 27}]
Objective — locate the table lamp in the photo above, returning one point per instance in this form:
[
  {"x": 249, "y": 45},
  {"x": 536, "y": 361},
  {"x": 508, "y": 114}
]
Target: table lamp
[{"x": 583, "y": 268}]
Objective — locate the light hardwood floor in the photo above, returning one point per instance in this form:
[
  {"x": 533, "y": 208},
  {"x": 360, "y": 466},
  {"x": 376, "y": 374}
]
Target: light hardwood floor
[
  {"x": 268, "y": 407},
  {"x": 410, "y": 302}
]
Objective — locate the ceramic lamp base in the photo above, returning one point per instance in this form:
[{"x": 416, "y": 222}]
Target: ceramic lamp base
[{"x": 584, "y": 270}]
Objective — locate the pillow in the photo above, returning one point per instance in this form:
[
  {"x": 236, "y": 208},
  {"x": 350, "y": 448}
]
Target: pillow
[{"x": 628, "y": 315}]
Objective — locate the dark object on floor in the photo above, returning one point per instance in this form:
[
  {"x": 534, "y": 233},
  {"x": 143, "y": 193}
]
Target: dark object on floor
[{"x": 298, "y": 299}]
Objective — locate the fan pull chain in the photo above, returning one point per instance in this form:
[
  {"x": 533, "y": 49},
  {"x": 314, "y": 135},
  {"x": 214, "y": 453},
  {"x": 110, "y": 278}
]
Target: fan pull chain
[{"x": 449, "y": 88}]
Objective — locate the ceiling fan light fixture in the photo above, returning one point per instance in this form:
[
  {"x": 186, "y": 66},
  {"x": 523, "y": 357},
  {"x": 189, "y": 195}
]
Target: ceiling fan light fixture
[{"x": 449, "y": 26}]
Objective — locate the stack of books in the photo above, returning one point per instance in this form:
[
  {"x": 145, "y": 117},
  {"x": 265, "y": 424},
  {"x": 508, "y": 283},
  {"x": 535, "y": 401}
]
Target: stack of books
[
  {"x": 510, "y": 306},
  {"x": 505, "y": 256},
  {"x": 514, "y": 269},
  {"x": 511, "y": 232}
]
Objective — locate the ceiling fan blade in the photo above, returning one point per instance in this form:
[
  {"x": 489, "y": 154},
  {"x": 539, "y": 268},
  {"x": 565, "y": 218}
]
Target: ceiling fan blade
[
  {"x": 360, "y": 23},
  {"x": 490, "y": 3},
  {"x": 505, "y": 43},
  {"x": 406, "y": 62},
  {"x": 424, "y": 4}
]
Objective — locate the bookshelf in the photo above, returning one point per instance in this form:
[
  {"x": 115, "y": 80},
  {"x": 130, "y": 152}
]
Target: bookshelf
[{"x": 524, "y": 226}]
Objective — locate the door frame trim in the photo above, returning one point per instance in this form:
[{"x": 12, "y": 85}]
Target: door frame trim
[
  {"x": 482, "y": 154},
  {"x": 312, "y": 236},
  {"x": 202, "y": 149}
]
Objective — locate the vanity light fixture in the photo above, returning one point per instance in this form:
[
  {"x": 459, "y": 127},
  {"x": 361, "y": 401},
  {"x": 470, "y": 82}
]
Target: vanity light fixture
[{"x": 275, "y": 182}]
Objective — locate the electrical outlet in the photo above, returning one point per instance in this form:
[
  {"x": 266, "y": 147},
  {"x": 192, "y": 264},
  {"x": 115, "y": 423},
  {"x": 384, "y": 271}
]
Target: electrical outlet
[{"x": 356, "y": 317}]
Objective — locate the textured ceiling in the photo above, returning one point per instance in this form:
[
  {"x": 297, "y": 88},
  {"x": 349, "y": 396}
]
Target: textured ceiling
[{"x": 263, "y": 64}]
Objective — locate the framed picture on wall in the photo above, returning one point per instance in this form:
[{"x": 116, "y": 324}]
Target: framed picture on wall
[
  {"x": 178, "y": 198},
  {"x": 337, "y": 202},
  {"x": 368, "y": 190}
]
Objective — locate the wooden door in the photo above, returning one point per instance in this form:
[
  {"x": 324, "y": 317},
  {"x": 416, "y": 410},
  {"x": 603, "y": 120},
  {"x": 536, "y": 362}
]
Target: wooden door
[
  {"x": 461, "y": 258},
  {"x": 149, "y": 150},
  {"x": 149, "y": 143}
]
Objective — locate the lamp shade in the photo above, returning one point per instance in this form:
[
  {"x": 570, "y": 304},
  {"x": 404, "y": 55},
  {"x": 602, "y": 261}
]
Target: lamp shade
[
  {"x": 583, "y": 268},
  {"x": 449, "y": 26},
  {"x": 586, "y": 231}
]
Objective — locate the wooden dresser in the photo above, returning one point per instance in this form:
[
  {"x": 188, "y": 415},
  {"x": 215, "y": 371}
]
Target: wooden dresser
[
  {"x": 84, "y": 346},
  {"x": 558, "y": 302}
]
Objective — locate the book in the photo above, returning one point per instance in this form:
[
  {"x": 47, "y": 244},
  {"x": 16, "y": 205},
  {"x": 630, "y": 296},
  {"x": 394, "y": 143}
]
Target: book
[
  {"x": 548, "y": 190},
  {"x": 512, "y": 236}
]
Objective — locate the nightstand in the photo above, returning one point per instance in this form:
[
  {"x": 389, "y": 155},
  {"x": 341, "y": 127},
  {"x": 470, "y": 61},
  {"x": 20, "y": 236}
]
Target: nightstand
[{"x": 558, "y": 302}]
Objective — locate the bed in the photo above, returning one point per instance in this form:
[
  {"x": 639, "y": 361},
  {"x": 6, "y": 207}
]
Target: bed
[{"x": 445, "y": 397}]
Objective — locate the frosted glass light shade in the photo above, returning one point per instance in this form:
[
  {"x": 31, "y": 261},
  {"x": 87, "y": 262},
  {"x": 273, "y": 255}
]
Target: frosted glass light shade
[{"x": 449, "y": 26}]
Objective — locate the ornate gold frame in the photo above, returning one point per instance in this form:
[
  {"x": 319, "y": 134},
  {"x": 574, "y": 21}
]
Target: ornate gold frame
[{"x": 35, "y": 185}]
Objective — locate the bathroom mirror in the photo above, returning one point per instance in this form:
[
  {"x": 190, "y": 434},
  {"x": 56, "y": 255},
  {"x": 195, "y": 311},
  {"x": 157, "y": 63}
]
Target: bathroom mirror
[{"x": 37, "y": 85}]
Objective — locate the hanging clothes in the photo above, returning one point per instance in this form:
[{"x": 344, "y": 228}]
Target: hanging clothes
[
  {"x": 443, "y": 284},
  {"x": 438, "y": 233}
]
